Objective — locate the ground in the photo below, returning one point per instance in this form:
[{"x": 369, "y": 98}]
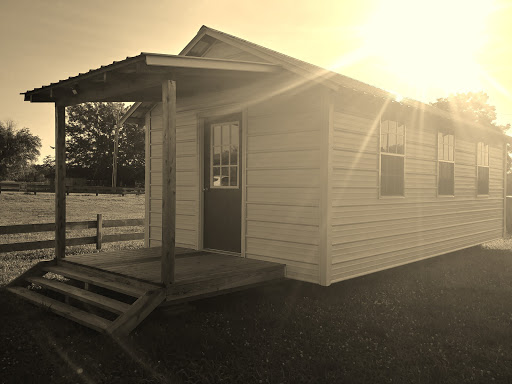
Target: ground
[{"x": 443, "y": 320}]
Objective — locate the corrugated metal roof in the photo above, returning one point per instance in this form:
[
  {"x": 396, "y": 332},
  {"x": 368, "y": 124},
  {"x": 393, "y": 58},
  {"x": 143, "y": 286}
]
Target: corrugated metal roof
[{"x": 91, "y": 72}]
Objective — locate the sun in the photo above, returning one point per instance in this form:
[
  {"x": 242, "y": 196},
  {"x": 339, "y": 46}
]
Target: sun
[{"x": 431, "y": 44}]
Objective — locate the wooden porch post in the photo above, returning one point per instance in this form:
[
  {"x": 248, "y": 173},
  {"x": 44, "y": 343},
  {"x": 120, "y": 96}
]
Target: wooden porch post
[
  {"x": 60, "y": 188},
  {"x": 168, "y": 180}
]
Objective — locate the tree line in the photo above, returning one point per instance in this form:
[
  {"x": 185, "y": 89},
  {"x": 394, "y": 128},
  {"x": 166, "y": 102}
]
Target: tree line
[{"x": 90, "y": 135}]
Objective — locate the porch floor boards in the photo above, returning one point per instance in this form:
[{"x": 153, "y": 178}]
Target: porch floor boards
[{"x": 195, "y": 271}]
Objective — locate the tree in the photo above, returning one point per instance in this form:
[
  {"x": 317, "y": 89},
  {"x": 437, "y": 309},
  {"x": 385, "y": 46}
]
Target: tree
[
  {"x": 473, "y": 106},
  {"x": 90, "y": 144},
  {"x": 18, "y": 150}
]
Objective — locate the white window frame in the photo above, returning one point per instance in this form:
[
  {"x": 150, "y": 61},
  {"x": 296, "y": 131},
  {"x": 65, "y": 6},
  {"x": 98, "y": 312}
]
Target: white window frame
[
  {"x": 482, "y": 161},
  {"x": 386, "y": 153},
  {"x": 230, "y": 123},
  {"x": 441, "y": 159}
]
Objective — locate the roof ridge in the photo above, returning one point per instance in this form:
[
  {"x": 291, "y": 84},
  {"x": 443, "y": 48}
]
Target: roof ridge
[{"x": 298, "y": 62}]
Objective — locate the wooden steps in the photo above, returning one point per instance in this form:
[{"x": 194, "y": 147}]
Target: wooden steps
[
  {"x": 85, "y": 318},
  {"x": 96, "y": 299}
]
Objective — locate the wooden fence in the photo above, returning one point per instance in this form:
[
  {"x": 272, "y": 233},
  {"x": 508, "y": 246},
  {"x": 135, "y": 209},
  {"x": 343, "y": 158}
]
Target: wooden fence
[
  {"x": 34, "y": 188},
  {"x": 99, "y": 239}
]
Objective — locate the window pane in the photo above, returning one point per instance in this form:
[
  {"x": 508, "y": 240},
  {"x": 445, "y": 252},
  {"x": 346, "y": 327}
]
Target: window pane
[
  {"x": 216, "y": 134},
  {"x": 392, "y": 176},
  {"x": 479, "y": 156},
  {"x": 225, "y": 135},
  {"x": 234, "y": 155},
  {"x": 401, "y": 129},
  {"x": 450, "y": 140},
  {"x": 446, "y": 178},
  {"x": 216, "y": 156},
  {"x": 225, "y": 155},
  {"x": 486, "y": 155},
  {"x": 483, "y": 180},
  {"x": 216, "y": 176},
  {"x": 384, "y": 143},
  {"x": 400, "y": 145},
  {"x": 225, "y": 176},
  {"x": 446, "y": 150},
  {"x": 392, "y": 126},
  {"x": 234, "y": 134},
  {"x": 450, "y": 153},
  {"x": 392, "y": 143},
  {"x": 440, "y": 146},
  {"x": 233, "y": 176},
  {"x": 384, "y": 126}
]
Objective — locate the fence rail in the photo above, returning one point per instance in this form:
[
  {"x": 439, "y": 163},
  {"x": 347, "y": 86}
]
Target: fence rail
[
  {"x": 34, "y": 188},
  {"x": 99, "y": 239}
]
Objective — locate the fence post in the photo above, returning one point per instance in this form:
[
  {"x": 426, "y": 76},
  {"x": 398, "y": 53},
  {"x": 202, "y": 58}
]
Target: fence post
[{"x": 99, "y": 230}]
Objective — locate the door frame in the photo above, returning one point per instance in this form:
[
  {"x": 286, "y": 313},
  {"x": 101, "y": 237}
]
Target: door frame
[{"x": 201, "y": 118}]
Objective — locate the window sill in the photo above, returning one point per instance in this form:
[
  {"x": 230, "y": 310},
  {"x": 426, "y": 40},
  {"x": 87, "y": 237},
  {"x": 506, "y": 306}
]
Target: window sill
[{"x": 446, "y": 196}]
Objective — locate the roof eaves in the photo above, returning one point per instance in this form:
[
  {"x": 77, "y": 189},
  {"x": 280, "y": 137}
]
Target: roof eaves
[{"x": 90, "y": 73}]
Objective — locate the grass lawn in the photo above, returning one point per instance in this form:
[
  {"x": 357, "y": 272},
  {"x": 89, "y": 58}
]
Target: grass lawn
[
  {"x": 443, "y": 320},
  {"x": 21, "y": 208}
]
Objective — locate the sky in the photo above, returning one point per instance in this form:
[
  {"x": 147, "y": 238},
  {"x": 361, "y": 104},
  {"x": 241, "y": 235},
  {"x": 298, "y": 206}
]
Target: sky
[{"x": 418, "y": 49}]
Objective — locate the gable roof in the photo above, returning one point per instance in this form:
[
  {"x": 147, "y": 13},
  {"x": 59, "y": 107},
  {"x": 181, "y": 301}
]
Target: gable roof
[
  {"x": 336, "y": 81},
  {"x": 311, "y": 71}
]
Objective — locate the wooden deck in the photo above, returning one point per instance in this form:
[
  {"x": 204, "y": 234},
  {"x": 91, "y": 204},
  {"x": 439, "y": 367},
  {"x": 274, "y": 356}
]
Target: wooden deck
[
  {"x": 197, "y": 273},
  {"x": 112, "y": 292}
]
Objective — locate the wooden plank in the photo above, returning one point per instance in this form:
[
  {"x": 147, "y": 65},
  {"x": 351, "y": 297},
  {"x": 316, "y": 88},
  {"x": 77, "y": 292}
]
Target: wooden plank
[
  {"x": 26, "y": 228},
  {"x": 100, "y": 281},
  {"x": 99, "y": 301},
  {"x": 200, "y": 288},
  {"x": 123, "y": 237},
  {"x": 47, "y": 227},
  {"x": 27, "y": 246},
  {"x": 35, "y": 270},
  {"x": 99, "y": 230},
  {"x": 168, "y": 181},
  {"x": 137, "y": 312},
  {"x": 123, "y": 223},
  {"x": 32, "y": 245},
  {"x": 60, "y": 187},
  {"x": 88, "y": 319}
]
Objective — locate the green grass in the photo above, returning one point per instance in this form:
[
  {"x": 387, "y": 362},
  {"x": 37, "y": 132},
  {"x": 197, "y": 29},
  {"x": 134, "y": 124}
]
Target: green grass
[{"x": 443, "y": 320}]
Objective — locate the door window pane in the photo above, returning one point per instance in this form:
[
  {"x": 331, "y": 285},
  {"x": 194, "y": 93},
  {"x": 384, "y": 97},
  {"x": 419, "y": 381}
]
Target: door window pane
[
  {"x": 225, "y": 135},
  {"x": 225, "y": 152},
  {"x": 216, "y": 156},
  {"x": 216, "y": 135},
  {"x": 233, "y": 176}
]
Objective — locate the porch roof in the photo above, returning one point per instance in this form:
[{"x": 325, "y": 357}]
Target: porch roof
[{"x": 139, "y": 79}]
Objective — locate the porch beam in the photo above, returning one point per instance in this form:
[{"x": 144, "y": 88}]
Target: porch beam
[
  {"x": 114, "y": 90},
  {"x": 60, "y": 188},
  {"x": 168, "y": 181}
]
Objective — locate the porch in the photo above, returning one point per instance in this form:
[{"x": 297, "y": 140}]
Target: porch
[
  {"x": 197, "y": 273},
  {"x": 112, "y": 292}
]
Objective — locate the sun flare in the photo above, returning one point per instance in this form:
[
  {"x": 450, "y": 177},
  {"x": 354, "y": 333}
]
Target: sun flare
[{"x": 430, "y": 44}]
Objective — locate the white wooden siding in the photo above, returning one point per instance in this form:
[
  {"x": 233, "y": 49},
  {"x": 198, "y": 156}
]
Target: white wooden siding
[
  {"x": 221, "y": 50},
  {"x": 371, "y": 233},
  {"x": 283, "y": 183},
  {"x": 187, "y": 179}
]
